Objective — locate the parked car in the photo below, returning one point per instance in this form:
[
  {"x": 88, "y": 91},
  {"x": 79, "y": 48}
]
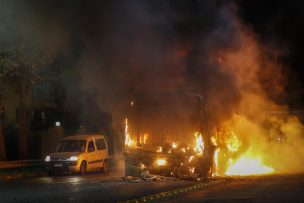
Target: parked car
[{"x": 79, "y": 154}]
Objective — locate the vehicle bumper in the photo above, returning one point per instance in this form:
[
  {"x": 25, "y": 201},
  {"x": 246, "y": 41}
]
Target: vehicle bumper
[{"x": 62, "y": 166}]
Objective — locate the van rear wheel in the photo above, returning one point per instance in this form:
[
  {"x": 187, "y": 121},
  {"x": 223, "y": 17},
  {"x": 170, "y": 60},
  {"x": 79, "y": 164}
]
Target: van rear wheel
[
  {"x": 105, "y": 167},
  {"x": 83, "y": 168}
]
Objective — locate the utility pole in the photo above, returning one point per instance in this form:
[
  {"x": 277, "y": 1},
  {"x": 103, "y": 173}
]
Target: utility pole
[
  {"x": 203, "y": 120},
  {"x": 204, "y": 124}
]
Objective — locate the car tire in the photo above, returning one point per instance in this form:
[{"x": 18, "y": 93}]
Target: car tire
[
  {"x": 105, "y": 167},
  {"x": 83, "y": 168}
]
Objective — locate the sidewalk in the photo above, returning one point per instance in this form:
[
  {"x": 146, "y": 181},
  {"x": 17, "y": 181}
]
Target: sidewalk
[
  {"x": 21, "y": 169},
  {"x": 22, "y": 173}
]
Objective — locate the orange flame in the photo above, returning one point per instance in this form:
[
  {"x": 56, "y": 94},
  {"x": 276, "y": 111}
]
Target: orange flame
[
  {"x": 233, "y": 144},
  {"x": 174, "y": 145},
  {"x": 128, "y": 141},
  {"x": 190, "y": 158},
  {"x": 216, "y": 163},
  {"x": 159, "y": 150},
  {"x": 199, "y": 144},
  {"x": 247, "y": 165}
]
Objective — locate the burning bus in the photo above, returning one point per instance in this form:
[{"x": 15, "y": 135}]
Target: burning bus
[{"x": 230, "y": 155}]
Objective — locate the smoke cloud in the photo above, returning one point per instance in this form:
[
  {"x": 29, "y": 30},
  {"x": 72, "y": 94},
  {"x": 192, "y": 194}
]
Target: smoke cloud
[{"x": 158, "y": 54}]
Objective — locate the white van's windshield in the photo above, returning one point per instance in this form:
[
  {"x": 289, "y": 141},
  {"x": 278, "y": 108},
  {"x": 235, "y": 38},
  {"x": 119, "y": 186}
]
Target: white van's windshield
[{"x": 72, "y": 146}]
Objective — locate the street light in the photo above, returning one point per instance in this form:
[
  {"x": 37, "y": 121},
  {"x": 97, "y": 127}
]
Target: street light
[{"x": 57, "y": 123}]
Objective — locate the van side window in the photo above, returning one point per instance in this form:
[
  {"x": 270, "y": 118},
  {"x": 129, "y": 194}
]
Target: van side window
[
  {"x": 100, "y": 144},
  {"x": 91, "y": 147}
]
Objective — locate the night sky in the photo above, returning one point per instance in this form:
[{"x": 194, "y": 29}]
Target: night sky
[
  {"x": 281, "y": 23},
  {"x": 118, "y": 51}
]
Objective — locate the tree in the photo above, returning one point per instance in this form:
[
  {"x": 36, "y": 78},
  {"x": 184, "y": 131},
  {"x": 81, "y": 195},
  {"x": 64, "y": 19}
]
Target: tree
[
  {"x": 22, "y": 66},
  {"x": 2, "y": 144},
  {"x": 2, "y": 140}
]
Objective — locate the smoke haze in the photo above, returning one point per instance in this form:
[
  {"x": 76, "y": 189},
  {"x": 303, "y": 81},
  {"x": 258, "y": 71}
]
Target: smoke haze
[{"x": 158, "y": 53}]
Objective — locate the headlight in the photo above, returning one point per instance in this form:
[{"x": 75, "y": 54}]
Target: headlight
[
  {"x": 73, "y": 158},
  {"x": 47, "y": 158}
]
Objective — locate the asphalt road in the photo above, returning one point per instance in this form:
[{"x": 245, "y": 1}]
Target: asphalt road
[
  {"x": 100, "y": 187},
  {"x": 273, "y": 188},
  {"x": 97, "y": 187}
]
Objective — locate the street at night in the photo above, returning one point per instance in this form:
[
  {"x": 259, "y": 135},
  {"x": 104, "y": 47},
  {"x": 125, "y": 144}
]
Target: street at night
[
  {"x": 273, "y": 188},
  {"x": 151, "y": 101},
  {"x": 99, "y": 188},
  {"x": 89, "y": 188}
]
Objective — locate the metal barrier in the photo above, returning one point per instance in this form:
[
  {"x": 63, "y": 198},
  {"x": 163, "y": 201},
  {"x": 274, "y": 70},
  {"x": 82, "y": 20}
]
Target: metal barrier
[{"x": 20, "y": 164}]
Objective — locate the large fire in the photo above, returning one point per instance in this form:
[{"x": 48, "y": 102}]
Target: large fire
[
  {"x": 233, "y": 157},
  {"x": 247, "y": 165}
]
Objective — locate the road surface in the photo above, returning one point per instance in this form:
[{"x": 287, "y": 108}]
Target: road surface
[
  {"x": 99, "y": 188},
  {"x": 272, "y": 188}
]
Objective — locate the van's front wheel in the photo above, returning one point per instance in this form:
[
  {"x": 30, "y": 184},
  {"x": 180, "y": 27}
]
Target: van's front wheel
[{"x": 83, "y": 168}]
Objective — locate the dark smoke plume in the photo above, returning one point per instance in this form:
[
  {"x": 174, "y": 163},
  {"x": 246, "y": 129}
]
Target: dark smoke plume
[{"x": 159, "y": 54}]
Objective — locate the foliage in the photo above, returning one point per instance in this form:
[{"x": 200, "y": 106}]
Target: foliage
[
  {"x": 24, "y": 61},
  {"x": 22, "y": 64}
]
